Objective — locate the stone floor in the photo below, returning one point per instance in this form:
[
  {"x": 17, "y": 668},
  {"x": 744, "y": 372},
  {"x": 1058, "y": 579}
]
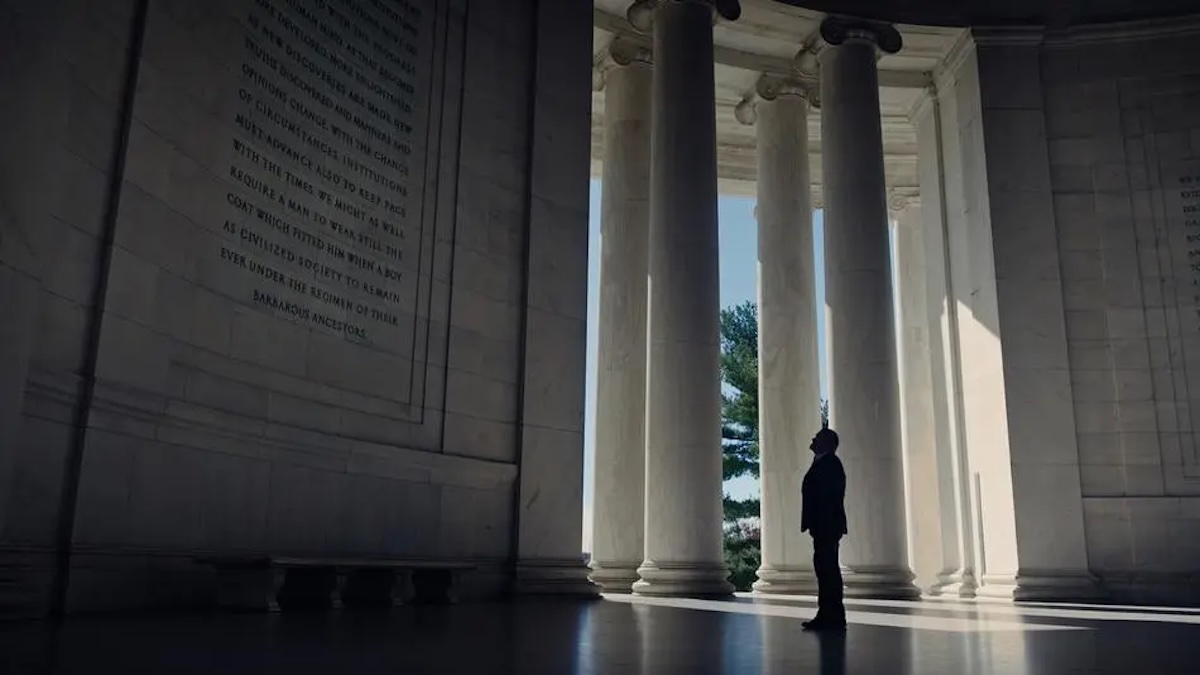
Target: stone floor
[{"x": 623, "y": 636}]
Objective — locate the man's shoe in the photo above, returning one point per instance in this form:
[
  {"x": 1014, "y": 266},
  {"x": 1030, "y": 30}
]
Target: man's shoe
[{"x": 819, "y": 624}]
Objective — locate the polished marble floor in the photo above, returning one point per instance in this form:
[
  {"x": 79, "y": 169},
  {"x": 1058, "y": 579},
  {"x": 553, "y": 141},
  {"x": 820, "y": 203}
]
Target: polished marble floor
[{"x": 623, "y": 636}]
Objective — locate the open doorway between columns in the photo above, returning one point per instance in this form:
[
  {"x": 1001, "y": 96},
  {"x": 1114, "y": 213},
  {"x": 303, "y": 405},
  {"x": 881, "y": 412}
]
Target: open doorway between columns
[{"x": 739, "y": 283}]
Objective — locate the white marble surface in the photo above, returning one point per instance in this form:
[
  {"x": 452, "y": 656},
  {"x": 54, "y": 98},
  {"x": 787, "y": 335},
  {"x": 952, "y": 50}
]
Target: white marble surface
[
  {"x": 1011, "y": 209},
  {"x": 549, "y": 520},
  {"x": 1114, "y": 153},
  {"x": 770, "y": 36},
  {"x": 987, "y": 474},
  {"x": 197, "y": 391},
  {"x": 921, "y": 457},
  {"x": 217, "y": 427},
  {"x": 620, "y": 455},
  {"x": 956, "y": 573},
  {"x": 789, "y": 388},
  {"x": 864, "y": 393},
  {"x": 683, "y": 552}
]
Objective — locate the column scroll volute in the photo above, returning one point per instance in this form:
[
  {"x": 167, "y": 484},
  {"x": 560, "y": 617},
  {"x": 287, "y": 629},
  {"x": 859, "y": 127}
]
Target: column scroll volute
[
  {"x": 623, "y": 51},
  {"x": 771, "y": 87},
  {"x": 899, "y": 199}
]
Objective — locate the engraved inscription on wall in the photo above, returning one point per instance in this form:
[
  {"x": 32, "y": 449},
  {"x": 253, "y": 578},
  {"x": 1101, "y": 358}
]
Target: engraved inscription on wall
[
  {"x": 1187, "y": 210},
  {"x": 278, "y": 199},
  {"x": 328, "y": 153},
  {"x": 1181, "y": 206}
]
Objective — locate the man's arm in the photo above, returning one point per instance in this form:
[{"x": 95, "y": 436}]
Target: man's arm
[{"x": 839, "y": 506}]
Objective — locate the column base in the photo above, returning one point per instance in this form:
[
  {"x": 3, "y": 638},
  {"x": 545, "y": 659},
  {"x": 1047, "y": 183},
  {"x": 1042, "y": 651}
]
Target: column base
[
  {"x": 554, "y": 577},
  {"x": 786, "y": 580},
  {"x": 881, "y": 583},
  {"x": 614, "y": 577},
  {"x": 1058, "y": 586},
  {"x": 997, "y": 587},
  {"x": 683, "y": 579},
  {"x": 954, "y": 584}
]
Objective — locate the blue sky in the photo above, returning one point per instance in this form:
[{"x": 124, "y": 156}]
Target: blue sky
[{"x": 739, "y": 282}]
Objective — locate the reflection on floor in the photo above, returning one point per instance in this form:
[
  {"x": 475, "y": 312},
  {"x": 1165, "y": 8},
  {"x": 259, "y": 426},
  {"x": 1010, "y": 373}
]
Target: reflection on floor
[{"x": 623, "y": 635}]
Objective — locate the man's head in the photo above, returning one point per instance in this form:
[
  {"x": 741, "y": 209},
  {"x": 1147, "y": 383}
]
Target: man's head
[{"x": 825, "y": 441}]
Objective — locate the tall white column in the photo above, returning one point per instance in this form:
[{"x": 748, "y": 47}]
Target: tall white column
[
  {"x": 922, "y": 487},
  {"x": 864, "y": 393},
  {"x": 956, "y": 575},
  {"x": 683, "y": 549},
  {"x": 788, "y": 374},
  {"x": 620, "y": 459}
]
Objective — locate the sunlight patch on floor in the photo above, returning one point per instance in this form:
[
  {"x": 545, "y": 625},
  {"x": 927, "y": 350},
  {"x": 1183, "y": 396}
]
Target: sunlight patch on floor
[
  {"x": 913, "y": 622},
  {"x": 1054, "y": 611}
]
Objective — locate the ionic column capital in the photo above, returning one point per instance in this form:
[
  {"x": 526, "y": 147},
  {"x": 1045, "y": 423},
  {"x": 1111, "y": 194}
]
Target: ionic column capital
[
  {"x": 641, "y": 13},
  {"x": 836, "y": 30},
  {"x": 770, "y": 88},
  {"x": 807, "y": 59},
  {"x": 621, "y": 52},
  {"x": 900, "y": 198}
]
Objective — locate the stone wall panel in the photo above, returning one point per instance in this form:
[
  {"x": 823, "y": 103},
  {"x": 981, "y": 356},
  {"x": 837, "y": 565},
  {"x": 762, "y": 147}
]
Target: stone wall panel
[{"x": 225, "y": 415}]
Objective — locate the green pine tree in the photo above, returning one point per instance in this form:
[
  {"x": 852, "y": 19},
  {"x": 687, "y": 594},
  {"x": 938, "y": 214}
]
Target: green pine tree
[
  {"x": 739, "y": 438},
  {"x": 739, "y": 405}
]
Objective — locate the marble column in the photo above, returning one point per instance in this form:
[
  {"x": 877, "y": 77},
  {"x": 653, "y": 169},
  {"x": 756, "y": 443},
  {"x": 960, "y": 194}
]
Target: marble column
[
  {"x": 920, "y": 442},
  {"x": 864, "y": 392},
  {"x": 620, "y": 459},
  {"x": 683, "y": 547},
  {"x": 956, "y": 576},
  {"x": 789, "y": 381}
]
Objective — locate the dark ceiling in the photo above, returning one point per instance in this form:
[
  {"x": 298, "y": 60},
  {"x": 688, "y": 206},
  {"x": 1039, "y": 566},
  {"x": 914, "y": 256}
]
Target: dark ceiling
[{"x": 1053, "y": 13}]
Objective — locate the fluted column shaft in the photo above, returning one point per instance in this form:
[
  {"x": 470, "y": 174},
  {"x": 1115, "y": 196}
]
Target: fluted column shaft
[
  {"x": 788, "y": 379},
  {"x": 864, "y": 392},
  {"x": 620, "y": 459},
  {"x": 957, "y": 573},
  {"x": 922, "y": 487},
  {"x": 683, "y": 550}
]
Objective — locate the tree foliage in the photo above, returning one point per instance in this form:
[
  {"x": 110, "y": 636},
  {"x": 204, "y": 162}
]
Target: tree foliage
[
  {"x": 743, "y": 553},
  {"x": 739, "y": 438},
  {"x": 739, "y": 509},
  {"x": 739, "y": 402},
  {"x": 739, "y": 405}
]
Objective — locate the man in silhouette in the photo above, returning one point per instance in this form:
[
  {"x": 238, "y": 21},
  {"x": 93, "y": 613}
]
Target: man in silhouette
[{"x": 823, "y": 516}]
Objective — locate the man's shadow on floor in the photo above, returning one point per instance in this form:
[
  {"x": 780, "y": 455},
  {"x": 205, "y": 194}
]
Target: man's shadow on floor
[{"x": 831, "y": 646}]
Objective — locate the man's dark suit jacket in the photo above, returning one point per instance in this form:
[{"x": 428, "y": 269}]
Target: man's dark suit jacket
[{"x": 823, "y": 496}]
